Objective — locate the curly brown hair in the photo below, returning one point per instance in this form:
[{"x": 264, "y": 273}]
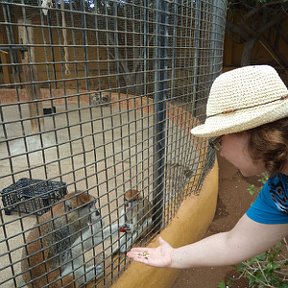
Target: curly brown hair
[{"x": 269, "y": 143}]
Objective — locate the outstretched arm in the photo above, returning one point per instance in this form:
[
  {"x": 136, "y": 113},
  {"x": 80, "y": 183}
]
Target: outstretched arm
[{"x": 246, "y": 239}]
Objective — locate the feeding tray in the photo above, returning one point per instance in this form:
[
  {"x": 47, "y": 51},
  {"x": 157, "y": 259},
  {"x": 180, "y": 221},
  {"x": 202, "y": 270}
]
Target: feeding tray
[{"x": 32, "y": 195}]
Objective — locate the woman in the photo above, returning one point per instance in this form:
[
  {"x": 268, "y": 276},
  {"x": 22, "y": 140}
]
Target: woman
[{"x": 247, "y": 119}]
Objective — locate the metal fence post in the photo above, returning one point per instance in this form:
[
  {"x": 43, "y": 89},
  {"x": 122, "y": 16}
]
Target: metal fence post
[{"x": 159, "y": 111}]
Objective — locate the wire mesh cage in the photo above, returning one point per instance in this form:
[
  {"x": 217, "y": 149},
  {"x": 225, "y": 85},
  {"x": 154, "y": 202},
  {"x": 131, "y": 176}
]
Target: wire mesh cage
[{"x": 99, "y": 95}]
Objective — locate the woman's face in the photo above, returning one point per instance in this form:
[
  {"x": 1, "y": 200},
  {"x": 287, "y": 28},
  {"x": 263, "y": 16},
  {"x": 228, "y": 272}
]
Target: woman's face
[{"x": 234, "y": 148}]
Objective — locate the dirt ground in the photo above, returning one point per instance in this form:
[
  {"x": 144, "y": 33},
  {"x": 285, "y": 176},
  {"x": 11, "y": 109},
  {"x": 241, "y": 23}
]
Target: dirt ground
[{"x": 233, "y": 201}]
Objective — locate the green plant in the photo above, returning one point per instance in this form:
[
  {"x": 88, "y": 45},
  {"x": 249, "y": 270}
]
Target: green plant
[
  {"x": 224, "y": 284},
  {"x": 269, "y": 269},
  {"x": 252, "y": 188}
]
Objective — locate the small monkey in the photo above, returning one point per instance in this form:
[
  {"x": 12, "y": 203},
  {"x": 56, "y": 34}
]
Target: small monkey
[
  {"x": 135, "y": 219},
  {"x": 54, "y": 252}
]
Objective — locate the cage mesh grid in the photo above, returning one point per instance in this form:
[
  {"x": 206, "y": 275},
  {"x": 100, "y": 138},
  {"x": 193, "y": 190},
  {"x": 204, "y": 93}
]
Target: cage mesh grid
[{"x": 101, "y": 95}]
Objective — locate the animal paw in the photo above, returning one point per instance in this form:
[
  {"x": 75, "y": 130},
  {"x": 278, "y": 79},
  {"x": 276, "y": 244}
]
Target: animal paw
[
  {"x": 126, "y": 246},
  {"x": 95, "y": 271},
  {"x": 99, "y": 271}
]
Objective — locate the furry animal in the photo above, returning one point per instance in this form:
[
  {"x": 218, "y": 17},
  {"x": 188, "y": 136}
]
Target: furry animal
[
  {"x": 136, "y": 218},
  {"x": 54, "y": 250},
  {"x": 100, "y": 99}
]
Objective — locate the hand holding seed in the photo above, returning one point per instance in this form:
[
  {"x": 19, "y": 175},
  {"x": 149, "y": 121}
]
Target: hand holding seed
[{"x": 157, "y": 257}]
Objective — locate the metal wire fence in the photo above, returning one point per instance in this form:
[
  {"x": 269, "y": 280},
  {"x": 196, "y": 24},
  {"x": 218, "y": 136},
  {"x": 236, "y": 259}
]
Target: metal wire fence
[{"x": 97, "y": 101}]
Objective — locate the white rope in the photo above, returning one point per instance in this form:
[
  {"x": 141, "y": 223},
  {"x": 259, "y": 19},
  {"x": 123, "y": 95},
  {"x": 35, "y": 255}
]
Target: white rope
[{"x": 65, "y": 42}]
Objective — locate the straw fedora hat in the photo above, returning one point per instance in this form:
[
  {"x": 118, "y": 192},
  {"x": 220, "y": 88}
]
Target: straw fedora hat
[{"x": 242, "y": 99}]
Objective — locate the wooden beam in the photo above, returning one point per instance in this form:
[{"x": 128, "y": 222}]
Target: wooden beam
[
  {"x": 30, "y": 76},
  {"x": 275, "y": 53},
  {"x": 4, "y": 60}
]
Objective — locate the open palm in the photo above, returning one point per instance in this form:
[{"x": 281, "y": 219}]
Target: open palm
[{"x": 157, "y": 257}]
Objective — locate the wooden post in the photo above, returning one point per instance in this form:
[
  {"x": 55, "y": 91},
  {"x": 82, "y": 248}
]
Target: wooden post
[
  {"x": 4, "y": 60},
  {"x": 30, "y": 76}
]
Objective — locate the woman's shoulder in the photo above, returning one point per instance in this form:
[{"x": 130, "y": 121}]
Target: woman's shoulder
[
  {"x": 271, "y": 205},
  {"x": 278, "y": 182},
  {"x": 277, "y": 187}
]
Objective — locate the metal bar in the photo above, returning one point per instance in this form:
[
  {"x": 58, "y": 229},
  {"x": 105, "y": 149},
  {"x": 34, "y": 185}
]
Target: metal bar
[
  {"x": 52, "y": 49},
  {"x": 12, "y": 47},
  {"x": 159, "y": 112},
  {"x": 85, "y": 44},
  {"x": 197, "y": 35}
]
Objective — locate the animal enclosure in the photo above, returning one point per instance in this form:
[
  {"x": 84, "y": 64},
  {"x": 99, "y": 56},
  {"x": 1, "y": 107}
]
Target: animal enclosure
[{"x": 98, "y": 98}]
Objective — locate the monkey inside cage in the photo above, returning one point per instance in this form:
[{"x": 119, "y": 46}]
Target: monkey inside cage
[{"x": 97, "y": 101}]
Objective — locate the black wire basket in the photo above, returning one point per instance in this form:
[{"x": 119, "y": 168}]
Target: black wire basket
[{"x": 32, "y": 195}]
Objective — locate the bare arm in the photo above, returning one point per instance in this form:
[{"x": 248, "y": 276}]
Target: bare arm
[{"x": 246, "y": 239}]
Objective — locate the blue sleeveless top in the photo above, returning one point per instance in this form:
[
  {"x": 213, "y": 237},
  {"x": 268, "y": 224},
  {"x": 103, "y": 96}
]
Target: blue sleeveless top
[{"x": 271, "y": 205}]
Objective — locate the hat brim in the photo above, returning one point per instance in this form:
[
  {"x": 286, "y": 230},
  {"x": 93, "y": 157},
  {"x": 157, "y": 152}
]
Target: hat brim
[{"x": 241, "y": 120}]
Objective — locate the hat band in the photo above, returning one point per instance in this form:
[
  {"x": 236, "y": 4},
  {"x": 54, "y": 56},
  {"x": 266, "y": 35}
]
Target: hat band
[{"x": 252, "y": 106}]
